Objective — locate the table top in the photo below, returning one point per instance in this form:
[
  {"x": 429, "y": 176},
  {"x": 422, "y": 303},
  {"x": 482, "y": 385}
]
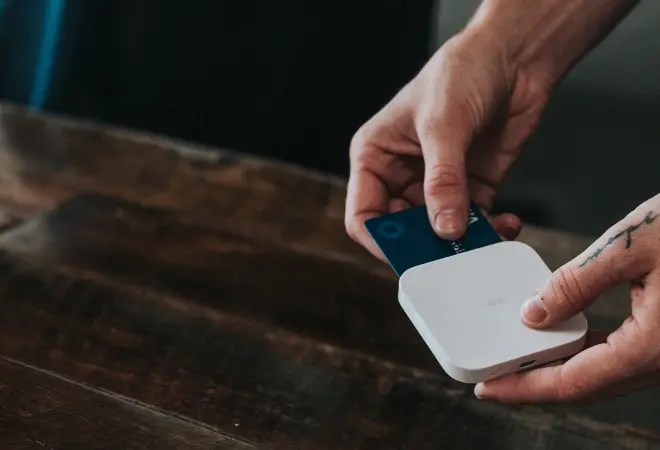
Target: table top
[{"x": 159, "y": 294}]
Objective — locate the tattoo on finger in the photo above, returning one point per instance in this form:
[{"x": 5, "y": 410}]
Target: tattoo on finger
[{"x": 627, "y": 233}]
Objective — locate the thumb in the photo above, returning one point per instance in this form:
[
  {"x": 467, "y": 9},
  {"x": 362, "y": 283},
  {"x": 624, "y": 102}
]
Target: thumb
[
  {"x": 620, "y": 255},
  {"x": 444, "y": 145}
]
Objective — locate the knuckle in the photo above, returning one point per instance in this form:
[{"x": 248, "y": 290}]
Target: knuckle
[
  {"x": 570, "y": 390},
  {"x": 630, "y": 344},
  {"x": 568, "y": 387},
  {"x": 567, "y": 292},
  {"x": 351, "y": 226},
  {"x": 354, "y": 228},
  {"x": 620, "y": 337},
  {"x": 428, "y": 122},
  {"x": 359, "y": 139},
  {"x": 444, "y": 177},
  {"x": 435, "y": 124},
  {"x": 360, "y": 142},
  {"x": 448, "y": 115}
]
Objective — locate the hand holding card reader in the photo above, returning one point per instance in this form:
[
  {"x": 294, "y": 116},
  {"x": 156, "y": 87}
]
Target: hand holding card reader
[{"x": 464, "y": 297}]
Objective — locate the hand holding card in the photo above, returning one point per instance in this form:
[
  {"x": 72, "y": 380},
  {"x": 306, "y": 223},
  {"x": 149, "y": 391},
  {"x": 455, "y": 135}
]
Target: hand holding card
[{"x": 407, "y": 239}]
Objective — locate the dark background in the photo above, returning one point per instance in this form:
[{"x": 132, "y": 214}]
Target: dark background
[
  {"x": 291, "y": 79},
  {"x": 294, "y": 80}
]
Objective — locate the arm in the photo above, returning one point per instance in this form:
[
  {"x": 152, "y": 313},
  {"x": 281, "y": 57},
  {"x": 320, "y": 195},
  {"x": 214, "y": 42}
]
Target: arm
[
  {"x": 545, "y": 38},
  {"x": 452, "y": 133}
]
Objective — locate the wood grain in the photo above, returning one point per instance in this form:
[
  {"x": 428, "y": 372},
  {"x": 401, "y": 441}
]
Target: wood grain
[
  {"x": 206, "y": 298},
  {"x": 191, "y": 322},
  {"x": 39, "y": 409}
]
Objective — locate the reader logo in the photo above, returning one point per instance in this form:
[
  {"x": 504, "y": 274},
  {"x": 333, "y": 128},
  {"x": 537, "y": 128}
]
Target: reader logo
[
  {"x": 390, "y": 230},
  {"x": 494, "y": 302}
]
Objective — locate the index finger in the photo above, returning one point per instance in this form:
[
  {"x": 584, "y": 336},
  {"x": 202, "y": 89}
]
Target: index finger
[{"x": 367, "y": 197}]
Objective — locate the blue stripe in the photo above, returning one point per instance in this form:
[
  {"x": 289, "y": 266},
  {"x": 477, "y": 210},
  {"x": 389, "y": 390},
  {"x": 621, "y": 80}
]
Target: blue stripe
[
  {"x": 52, "y": 18},
  {"x": 3, "y": 5}
]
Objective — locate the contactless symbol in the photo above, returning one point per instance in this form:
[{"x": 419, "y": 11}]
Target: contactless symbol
[
  {"x": 494, "y": 302},
  {"x": 390, "y": 230}
]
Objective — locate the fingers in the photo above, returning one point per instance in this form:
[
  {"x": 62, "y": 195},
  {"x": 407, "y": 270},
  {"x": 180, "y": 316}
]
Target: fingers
[
  {"x": 398, "y": 204},
  {"x": 367, "y": 197},
  {"x": 444, "y": 139},
  {"x": 628, "y": 359},
  {"x": 589, "y": 375},
  {"x": 611, "y": 260},
  {"x": 376, "y": 173},
  {"x": 508, "y": 226}
]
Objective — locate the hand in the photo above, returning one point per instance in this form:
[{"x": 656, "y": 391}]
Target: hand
[
  {"x": 455, "y": 130},
  {"x": 450, "y": 134},
  {"x": 614, "y": 364}
]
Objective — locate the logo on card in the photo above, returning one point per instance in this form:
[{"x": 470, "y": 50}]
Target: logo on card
[
  {"x": 390, "y": 229},
  {"x": 472, "y": 217},
  {"x": 457, "y": 246}
]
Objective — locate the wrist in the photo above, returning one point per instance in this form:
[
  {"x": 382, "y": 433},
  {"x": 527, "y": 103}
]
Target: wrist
[{"x": 545, "y": 38}]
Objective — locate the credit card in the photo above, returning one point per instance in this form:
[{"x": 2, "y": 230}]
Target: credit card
[{"x": 407, "y": 239}]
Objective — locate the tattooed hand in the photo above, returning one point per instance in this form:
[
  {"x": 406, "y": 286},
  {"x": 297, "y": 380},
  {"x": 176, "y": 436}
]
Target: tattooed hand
[{"x": 614, "y": 364}]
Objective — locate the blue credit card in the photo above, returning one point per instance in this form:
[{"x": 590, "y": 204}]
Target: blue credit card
[{"x": 407, "y": 239}]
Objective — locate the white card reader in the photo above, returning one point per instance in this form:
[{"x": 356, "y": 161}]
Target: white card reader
[{"x": 467, "y": 310}]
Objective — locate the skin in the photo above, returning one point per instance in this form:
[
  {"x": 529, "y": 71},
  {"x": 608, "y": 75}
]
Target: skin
[
  {"x": 453, "y": 132},
  {"x": 613, "y": 363}
]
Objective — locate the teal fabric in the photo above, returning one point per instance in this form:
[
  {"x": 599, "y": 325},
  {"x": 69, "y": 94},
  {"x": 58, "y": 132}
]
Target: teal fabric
[
  {"x": 29, "y": 42},
  {"x": 52, "y": 19}
]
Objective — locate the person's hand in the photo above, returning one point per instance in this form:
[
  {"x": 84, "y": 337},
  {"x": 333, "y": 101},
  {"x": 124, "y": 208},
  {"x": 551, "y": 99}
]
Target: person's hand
[
  {"x": 454, "y": 131},
  {"x": 450, "y": 135},
  {"x": 611, "y": 364}
]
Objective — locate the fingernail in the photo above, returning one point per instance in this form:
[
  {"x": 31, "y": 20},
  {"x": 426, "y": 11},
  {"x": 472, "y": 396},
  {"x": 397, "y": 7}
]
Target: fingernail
[
  {"x": 533, "y": 311},
  {"x": 447, "y": 221},
  {"x": 479, "y": 390}
]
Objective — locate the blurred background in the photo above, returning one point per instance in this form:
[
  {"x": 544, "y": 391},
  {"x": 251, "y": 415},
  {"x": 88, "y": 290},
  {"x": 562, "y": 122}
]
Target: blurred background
[{"x": 294, "y": 79}]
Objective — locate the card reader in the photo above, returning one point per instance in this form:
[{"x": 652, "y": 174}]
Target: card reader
[
  {"x": 467, "y": 310},
  {"x": 465, "y": 296}
]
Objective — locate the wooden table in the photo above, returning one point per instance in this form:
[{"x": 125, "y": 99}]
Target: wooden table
[{"x": 155, "y": 294}]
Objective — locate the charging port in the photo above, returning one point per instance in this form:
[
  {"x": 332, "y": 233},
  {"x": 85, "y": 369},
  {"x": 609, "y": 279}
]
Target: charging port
[{"x": 527, "y": 364}]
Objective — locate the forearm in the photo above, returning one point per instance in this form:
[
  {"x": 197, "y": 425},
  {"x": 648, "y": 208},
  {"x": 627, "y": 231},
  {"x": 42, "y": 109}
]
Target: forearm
[{"x": 547, "y": 37}]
